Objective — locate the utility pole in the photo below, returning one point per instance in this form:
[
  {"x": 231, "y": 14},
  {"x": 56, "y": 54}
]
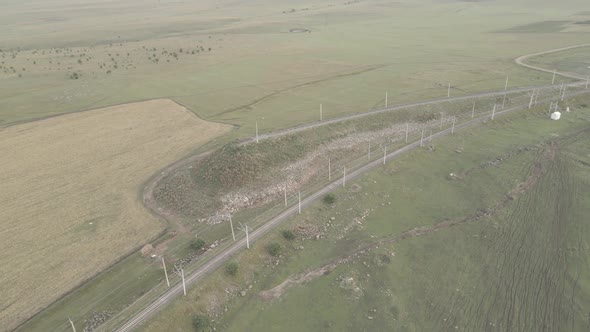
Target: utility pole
[
  {"x": 369, "y": 153},
  {"x": 231, "y": 224},
  {"x": 299, "y": 195},
  {"x": 505, "y": 89},
  {"x": 493, "y": 111},
  {"x": 245, "y": 229},
  {"x": 453, "y": 127},
  {"x": 183, "y": 283},
  {"x": 285, "y": 200},
  {"x": 321, "y": 113},
  {"x": 473, "y": 110},
  {"x": 449, "y": 91},
  {"x": 553, "y": 80},
  {"x": 384, "y": 153},
  {"x": 344, "y": 178},
  {"x": 329, "y": 170},
  {"x": 422, "y": 137},
  {"x": 563, "y": 93},
  {"x": 407, "y": 130},
  {"x": 385, "y": 99},
  {"x": 72, "y": 324},
  {"x": 256, "y": 131},
  {"x": 166, "y": 272},
  {"x": 180, "y": 271}
]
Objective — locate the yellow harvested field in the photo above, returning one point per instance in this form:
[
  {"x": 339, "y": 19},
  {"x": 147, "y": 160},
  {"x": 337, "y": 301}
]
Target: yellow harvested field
[{"x": 69, "y": 198}]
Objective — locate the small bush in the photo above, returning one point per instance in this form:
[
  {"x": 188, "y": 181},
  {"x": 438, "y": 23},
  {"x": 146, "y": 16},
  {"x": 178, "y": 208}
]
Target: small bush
[
  {"x": 231, "y": 268},
  {"x": 274, "y": 249},
  {"x": 288, "y": 234},
  {"x": 329, "y": 199},
  {"x": 197, "y": 244},
  {"x": 201, "y": 323}
]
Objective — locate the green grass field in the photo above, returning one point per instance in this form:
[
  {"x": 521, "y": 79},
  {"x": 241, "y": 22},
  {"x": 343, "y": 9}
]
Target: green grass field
[
  {"x": 247, "y": 67},
  {"x": 508, "y": 263}
]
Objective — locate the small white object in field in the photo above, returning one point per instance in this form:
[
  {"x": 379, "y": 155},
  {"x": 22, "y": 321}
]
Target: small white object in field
[
  {"x": 567, "y": 109},
  {"x": 555, "y": 116}
]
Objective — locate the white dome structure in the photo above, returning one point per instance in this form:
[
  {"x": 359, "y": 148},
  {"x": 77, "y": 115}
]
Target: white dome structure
[{"x": 555, "y": 115}]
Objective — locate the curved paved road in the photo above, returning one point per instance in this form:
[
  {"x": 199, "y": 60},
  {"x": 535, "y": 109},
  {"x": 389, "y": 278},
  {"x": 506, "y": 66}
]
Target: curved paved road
[
  {"x": 521, "y": 61},
  {"x": 216, "y": 262}
]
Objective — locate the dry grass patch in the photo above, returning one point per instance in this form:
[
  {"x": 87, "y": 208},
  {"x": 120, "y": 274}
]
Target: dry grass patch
[{"x": 69, "y": 196}]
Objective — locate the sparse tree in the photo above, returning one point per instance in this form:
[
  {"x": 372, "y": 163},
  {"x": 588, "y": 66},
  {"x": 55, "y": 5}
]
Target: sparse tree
[
  {"x": 231, "y": 268},
  {"x": 288, "y": 234},
  {"x": 201, "y": 323},
  {"x": 197, "y": 244},
  {"x": 329, "y": 199},
  {"x": 274, "y": 249}
]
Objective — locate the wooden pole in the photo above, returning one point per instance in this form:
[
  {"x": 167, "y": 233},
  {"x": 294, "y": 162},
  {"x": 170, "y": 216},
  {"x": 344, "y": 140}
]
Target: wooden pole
[
  {"x": 386, "y": 99},
  {"x": 72, "y": 324},
  {"x": 553, "y": 80},
  {"x": 183, "y": 283},
  {"x": 299, "y": 195},
  {"x": 231, "y": 224},
  {"x": 248, "y": 238},
  {"x": 256, "y": 131},
  {"x": 165, "y": 272},
  {"x": 369, "y": 153},
  {"x": 384, "y": 153},
  {"x": 329, "y": 170},
  {"x": 493, "y": 111},
  {"x": 321, "y": 113},
  {"x": 449, "y": 91},
  {"x": 453, "y": 127},
  {"x": 563, "y": 93},
  {"x": 344, "y": 178},
  {"x": 473, "y": 110},
  {"x": 407, "y": 130},
  {"x": 422, "y": 137},
  {"x": 285, "y": 194}
]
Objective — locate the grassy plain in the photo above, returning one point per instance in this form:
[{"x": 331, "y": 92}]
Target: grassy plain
[
  {"x": 513, "y": 260},
  {"x": 256, "y": 70},
  {"x": 70, "y": 199}
]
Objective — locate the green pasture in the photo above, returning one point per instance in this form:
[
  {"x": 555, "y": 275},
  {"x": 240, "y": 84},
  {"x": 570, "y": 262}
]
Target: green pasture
[
  {"x": 464, "y": 276},
  {"x": 257, "y": 71}
]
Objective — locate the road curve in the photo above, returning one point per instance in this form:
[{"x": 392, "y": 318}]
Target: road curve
[
  {"x": 521, "y": 61},
  {"x": 216, "y": 262}
]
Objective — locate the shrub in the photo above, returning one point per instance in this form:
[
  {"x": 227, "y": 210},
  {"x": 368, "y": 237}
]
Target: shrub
[
  {"x": 231, "y": 268},
  {"x": 288, "y": 234},
  {"x": 200, "y": 322},
  {"x": 274, "y": 249},
  {"x": 197, "y": 244},
  {"x": 329, "y": 199}
]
